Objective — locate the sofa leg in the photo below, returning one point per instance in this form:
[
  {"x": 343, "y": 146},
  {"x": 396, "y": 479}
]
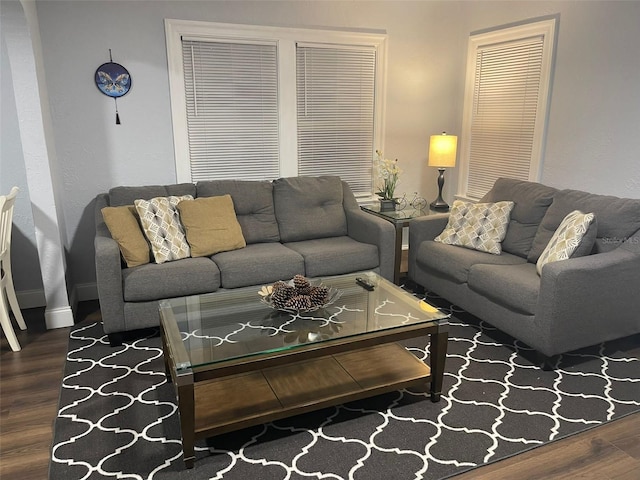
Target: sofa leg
[
  {"x": 417, "y": 288},
  {"x": 545, "y": 363},
  {"x": 115, "y": 339}
]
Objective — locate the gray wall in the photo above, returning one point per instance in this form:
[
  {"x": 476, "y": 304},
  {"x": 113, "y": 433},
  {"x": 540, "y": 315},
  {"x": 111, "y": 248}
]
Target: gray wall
[
  {"x": 593, "y": 140},
  {"x": 594, "y": 115}
]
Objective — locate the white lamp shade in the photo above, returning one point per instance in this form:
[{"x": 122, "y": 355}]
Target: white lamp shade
[{"x": 442, "y": 150}]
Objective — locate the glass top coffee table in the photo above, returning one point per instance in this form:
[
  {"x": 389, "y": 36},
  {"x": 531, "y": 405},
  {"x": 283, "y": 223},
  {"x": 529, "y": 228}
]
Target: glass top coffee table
[{"x": 236, "y": 362}]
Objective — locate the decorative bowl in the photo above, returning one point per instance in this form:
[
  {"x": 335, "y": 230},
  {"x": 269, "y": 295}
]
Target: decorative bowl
[{"x": 267, "y": 296}]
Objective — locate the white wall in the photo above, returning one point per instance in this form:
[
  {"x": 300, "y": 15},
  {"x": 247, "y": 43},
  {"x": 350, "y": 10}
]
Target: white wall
[
  {"x": 24, "y": 256},
  {"x": 593, "y": 116}
]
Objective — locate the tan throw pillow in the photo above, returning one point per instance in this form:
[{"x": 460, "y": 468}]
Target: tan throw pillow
[
  {"x": 479, "y": 226},
  {"x": 211, "y": 225},
  {"x": 124, "y": 224},
  {"x": 161, "y": 224},
  {"x": 566, "y": 239}
]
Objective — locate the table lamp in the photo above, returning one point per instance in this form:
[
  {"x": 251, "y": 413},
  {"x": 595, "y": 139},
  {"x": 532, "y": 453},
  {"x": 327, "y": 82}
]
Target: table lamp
[{"x": 442, "y": 154}]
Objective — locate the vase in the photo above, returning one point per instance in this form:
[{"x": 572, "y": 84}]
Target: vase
[{"x": 387, "y": 205}]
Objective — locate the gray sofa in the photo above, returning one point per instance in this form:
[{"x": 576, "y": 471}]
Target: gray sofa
[
  {"x": 574, "y": 303},
  {"x": 303, "y": 225}
]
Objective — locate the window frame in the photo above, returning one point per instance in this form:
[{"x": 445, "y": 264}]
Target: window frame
[
  {"x": 286, "y": 39},
  {"x": 545, "y": 28}
]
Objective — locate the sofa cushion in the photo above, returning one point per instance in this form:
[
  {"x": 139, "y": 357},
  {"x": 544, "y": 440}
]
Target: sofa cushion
[
  {"x": 189, "y": 276},
  {"x": 127, "y": 195},
  {"x": 453, "y": 263},
  {"x": 570, "y": 237},
  {"x": 531, "y": 202},
  {"x": 258, "y": 263},
  {"x": 515, "y": 287},
  {"x": 210, "y": 225},
  {"x": 335, "y": 255},
  {"x": 253, "y": 203},
  {"x": 161, "y": 225},
  {"x": 123, "y": 223},
  {"x": 480, "y": 226},
  {"x": 618, "y": 219},
  {"x": 309, "y": 207}
]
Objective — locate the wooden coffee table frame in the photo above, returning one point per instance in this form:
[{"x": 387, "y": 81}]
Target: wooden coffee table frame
[{"x": 213, "y": 399}]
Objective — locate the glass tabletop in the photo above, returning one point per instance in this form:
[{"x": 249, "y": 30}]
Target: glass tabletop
[
  {"x": 234, "y": 324},
  {"x": 396, "y": 216}
]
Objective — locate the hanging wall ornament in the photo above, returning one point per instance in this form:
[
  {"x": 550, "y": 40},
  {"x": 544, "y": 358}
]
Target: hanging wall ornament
[{"x": 114, "y": 81}]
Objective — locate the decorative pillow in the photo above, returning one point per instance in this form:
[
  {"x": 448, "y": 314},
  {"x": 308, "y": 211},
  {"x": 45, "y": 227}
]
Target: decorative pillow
[
  {"x": 211, "y": 225},
  {"x": 479, "y": 226},
  {"x": 161, "y": 225},
  {"x": 567, "y": 238},
  {"x": 124, "y": 224}
]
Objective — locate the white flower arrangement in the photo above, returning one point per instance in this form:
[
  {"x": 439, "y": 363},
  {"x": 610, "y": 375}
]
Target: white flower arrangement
[{"x": 388, "y": 174}]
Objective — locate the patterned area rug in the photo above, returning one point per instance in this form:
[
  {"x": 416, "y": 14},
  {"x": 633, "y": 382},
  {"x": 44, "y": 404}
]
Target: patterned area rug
[{"x": 118, "y": 418}]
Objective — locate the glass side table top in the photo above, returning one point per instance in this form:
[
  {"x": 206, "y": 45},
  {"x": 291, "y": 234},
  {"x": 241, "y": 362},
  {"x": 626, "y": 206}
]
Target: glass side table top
[
  {"x": 235, "y": 324},
  {"x": 396, "y": 216}
]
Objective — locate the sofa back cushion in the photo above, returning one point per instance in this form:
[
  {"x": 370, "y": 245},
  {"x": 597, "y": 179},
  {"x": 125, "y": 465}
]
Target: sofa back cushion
[
  {"x": 127, "y": 195},
  {"x": 309, "y": 207},
  {"x": 253, "y": 202},
  {"x": 617, "y": 219},
  {"x": 531, "y": 203}
]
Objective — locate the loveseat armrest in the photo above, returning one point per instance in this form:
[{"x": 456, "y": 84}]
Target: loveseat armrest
[
  {"x": 588, "y": 300},
  {"x": 368, "y": 228},
  {"x": 422, "y": 229},
  {"x": 109, "y": 280}
]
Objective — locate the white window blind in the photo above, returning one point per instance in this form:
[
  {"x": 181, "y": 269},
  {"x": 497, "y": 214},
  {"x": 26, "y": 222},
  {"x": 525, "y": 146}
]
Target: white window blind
[
  {"x": 506, "y": 99},
  {"x": 231, "y": 91},
  {"x": 335, "y": 112},
  {"x": 505, "y": 103}
]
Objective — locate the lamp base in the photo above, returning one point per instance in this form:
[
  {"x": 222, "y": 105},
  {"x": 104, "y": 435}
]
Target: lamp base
[{"x": 439, "y": 203}]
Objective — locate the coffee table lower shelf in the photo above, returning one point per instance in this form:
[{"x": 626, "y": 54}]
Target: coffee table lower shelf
[{"x": 239, "y": 401}]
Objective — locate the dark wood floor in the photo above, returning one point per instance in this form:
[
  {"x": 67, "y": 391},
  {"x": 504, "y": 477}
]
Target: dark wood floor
[{"x": 30, "y": 381}]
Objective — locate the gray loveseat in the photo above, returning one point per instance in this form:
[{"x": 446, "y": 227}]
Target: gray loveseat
[
  {"x": 574, "y": 303},
  {"x": 303, "y": 225}
]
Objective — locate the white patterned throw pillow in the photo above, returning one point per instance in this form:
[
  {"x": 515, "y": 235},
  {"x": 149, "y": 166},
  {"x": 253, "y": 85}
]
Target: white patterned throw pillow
[
  {"x": 479, "y": 226},
  {"x": 161, "y": 224},
  {"x": 566, "y": 239}
]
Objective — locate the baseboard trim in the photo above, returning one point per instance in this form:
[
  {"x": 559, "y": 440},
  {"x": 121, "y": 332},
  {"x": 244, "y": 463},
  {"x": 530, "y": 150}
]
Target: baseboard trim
[
  {"x": 36, "y": 298},
  {"x": 58, "y": 318},
  {"x": 86, "y": 291},
  {"x": 31, "y": 298}
]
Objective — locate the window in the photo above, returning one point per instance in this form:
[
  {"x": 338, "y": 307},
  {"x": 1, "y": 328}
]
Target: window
[
  {"x": 262, "y": 102},
  {"x": 335, "y": 95},
  {"x": 506, "y": 97},
  {"x": 231, "y": 95}
]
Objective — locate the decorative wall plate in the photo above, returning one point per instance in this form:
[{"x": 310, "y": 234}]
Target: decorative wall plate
[{"x": 113, "y": 79}]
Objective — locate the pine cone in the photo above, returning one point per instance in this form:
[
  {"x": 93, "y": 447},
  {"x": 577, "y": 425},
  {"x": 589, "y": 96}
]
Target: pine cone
[
  {"x": 282, "y": 295},
  {"x": 279, "y": 284},
  {"x": 301, "y": 282},
  {"x": 319, "y": 295},
  {"x": 299, "y": 302}
]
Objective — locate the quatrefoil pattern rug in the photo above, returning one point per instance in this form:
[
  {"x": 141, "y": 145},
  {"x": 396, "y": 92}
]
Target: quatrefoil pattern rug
[{"x": 118, "y": 418}]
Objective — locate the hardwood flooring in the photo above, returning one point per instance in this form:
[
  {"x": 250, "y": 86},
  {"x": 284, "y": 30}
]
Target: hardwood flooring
[{"x": 30, "y": 382}]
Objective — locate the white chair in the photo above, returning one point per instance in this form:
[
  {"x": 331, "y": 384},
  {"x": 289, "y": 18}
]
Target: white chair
[{"x": 6, "y": 279}]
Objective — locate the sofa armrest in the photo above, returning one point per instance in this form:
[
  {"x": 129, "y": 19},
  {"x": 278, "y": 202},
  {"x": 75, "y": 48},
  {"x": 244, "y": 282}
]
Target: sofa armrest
[
  {"x": 368, "y": 228},
  {"x": 109, "y": 280},
  {"x": 422, "y": 229},
  {"x": 587, "y": 300}
]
